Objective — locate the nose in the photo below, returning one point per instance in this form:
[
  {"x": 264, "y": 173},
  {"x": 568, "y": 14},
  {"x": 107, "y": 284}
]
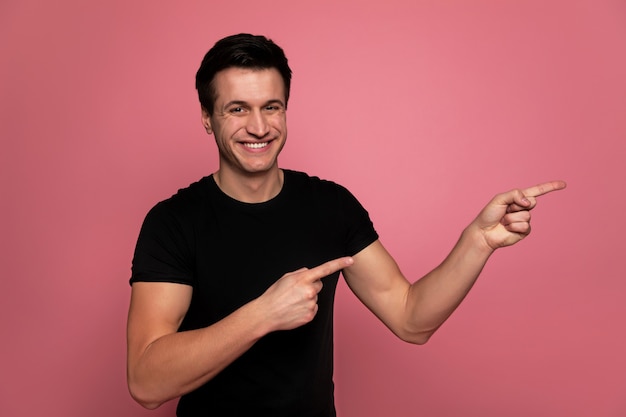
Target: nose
[{"x": 257, "y": 124}]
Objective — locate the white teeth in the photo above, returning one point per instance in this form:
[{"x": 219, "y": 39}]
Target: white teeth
[{"x": 256, "y": 145}]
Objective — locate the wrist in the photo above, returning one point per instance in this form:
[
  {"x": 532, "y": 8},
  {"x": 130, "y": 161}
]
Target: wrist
[
  {"x": 474, "y": 237},
  {"x": 255, "y": 319}
]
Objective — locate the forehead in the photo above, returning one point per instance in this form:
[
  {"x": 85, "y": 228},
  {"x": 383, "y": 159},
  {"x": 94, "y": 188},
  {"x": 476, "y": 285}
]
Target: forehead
[{"x": 248, "y": 85}]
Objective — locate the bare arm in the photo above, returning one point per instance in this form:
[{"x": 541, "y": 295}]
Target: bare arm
[
  {"x": 415, "y": 311},
  {"x": 163, "y": 363}
]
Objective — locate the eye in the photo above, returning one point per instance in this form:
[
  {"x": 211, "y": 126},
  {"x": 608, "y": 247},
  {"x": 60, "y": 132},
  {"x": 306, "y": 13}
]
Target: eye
[
  {"x": 272, "y": 108},
  {"x": 236, "y": 110}
]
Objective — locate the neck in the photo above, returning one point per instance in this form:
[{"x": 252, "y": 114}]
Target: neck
[{"x": 250, "y": 188}]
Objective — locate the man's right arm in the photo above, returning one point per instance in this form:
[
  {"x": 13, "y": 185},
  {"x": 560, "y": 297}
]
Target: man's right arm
[{"x": 163, "y": 363}]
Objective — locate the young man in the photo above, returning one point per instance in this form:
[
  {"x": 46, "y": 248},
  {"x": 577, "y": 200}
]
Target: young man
[{"x": 234, "y": 277}]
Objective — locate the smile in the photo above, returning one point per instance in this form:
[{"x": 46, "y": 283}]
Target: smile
[{"x": 255, "y": 145}]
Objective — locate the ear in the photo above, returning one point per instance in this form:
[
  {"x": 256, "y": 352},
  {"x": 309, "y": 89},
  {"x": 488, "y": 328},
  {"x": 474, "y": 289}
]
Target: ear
[{"x": 206, "y": 121}]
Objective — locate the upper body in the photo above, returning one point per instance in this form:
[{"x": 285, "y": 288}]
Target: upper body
[
  {"x": 202, "y": 238},
  {"x": 244, "y": 101}
]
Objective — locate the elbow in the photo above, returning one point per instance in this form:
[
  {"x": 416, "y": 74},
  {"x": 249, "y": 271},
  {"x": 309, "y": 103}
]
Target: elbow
[
  {"x": 143, "y": 396},
  {"x": 416, "y": 338},
  {"x": 148, "y": 405}
]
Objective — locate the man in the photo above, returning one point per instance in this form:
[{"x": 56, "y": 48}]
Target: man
[{"x": 234, "y": 277}]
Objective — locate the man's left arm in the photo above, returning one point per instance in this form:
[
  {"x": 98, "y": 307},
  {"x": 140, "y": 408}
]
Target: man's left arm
[{"x": 415, "y": 311}]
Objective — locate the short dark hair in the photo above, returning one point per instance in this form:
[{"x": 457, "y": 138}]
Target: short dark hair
[{"x": 242, "y": 51}]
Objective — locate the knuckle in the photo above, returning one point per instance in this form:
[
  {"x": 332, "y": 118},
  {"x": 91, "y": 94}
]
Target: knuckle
[
  {"x": 310, "y": 293},
  {"x": 312, "y": 313}
]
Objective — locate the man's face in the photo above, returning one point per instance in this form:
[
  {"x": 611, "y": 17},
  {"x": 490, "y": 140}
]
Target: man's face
[{"x": 249, "y": 120}]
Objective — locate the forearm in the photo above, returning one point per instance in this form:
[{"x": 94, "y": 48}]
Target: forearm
[
  {"x": 178, "y": 363},
  {"x": 415, "y": 311},
  {"x": 433, "y": 298}
]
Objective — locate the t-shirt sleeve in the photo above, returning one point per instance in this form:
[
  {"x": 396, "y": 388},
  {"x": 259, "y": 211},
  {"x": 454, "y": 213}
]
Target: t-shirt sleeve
[
  {"x": 163, "y": 252},
  {"x": 360, "y": 232}
]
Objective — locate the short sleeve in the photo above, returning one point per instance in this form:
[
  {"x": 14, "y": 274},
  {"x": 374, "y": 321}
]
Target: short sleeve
[
  {"x": 360, "y": 232},
  {"x": 164, "y": 250}
]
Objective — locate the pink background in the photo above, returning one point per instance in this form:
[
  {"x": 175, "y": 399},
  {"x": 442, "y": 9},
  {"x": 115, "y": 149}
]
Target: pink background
[{"x": 423, "y": 109}]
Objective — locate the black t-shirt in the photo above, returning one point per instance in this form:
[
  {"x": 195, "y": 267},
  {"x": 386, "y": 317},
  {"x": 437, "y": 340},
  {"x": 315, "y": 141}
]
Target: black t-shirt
[{"x": 230, "y": 252}]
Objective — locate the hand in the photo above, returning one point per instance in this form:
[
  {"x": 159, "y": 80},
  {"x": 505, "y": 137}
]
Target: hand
[
  {"x": 292, "y": 300},
  {"x": 506, "y": 219}
]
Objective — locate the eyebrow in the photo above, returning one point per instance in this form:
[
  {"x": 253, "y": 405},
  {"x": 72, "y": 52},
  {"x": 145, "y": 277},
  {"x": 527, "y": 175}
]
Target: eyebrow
[{"x": 245, "y": 103}]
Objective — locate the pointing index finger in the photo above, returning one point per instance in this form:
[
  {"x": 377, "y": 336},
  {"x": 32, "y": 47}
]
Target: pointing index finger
[
  {"x": 545, "y": 188},
  {"x": 329, "y": 268}
]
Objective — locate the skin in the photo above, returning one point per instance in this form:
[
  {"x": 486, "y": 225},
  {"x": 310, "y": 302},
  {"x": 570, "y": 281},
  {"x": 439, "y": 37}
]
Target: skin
[{"x": 250, "y": 109}]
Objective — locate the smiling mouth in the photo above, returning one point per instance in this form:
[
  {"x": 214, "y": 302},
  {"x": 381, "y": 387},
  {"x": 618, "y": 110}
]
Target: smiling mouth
[{"x": 255, "y": 145}]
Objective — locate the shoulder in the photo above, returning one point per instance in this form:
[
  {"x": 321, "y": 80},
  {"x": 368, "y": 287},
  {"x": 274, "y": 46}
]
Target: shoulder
[
  {"x": 320, "y": 193},
  {"x": 182, "y": 207},
  {"x": 302, "y": 180},
  {"x": 193, "y": 193},
  {"x": 187, "y": 198}
]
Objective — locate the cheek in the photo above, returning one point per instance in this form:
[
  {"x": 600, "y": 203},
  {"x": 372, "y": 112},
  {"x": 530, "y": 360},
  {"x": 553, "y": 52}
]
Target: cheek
[
  {"x": 230, "y": 128},
  {"x": 280, "y": 123}
]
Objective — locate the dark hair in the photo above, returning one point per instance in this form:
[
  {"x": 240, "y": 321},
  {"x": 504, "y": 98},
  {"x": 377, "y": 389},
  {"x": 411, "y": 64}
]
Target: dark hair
[{"x": 242, "y": 51}]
